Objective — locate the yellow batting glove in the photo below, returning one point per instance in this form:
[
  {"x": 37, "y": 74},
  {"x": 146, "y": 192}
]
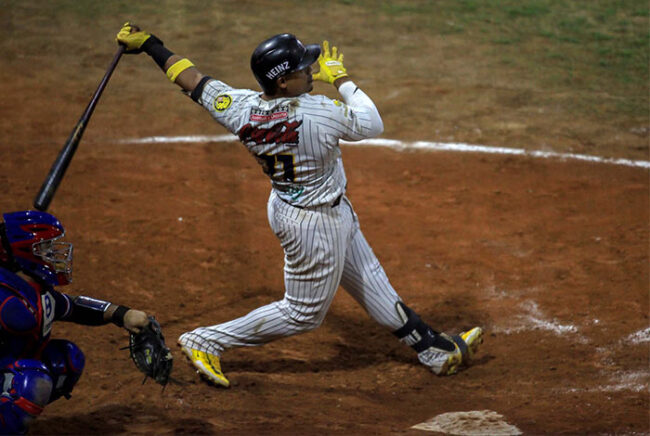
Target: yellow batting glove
[
  {"x": 132, "y": 38},
  {"x": 331, "y": 65}
]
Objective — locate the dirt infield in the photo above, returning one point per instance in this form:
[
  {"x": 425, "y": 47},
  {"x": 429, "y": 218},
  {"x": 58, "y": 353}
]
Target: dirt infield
[{"x": 550, "y": 256}]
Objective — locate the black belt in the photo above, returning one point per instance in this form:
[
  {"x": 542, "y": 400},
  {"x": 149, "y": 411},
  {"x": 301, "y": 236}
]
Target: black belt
[{"x": 334, "y": 203}]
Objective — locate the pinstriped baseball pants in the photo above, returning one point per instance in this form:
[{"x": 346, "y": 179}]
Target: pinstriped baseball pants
[{"x": 323, "y": 247}]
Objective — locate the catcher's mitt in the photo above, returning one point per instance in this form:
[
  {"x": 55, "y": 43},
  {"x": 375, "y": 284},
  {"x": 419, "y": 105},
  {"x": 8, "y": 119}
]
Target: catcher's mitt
[{"x": 150, "y": 354}]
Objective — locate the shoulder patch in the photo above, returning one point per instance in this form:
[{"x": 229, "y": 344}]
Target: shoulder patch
[
  {"x": 336, "y": 102},
  {"x": 222, "y": 102}
]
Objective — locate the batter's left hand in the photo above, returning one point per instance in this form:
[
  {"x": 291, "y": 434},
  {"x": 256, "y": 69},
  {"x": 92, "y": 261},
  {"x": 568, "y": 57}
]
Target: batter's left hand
[{"x": 132, "y": 38}]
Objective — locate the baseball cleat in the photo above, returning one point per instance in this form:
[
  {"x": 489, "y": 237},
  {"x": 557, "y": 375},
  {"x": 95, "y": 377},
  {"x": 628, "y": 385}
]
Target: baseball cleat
[
  {"x": 207, "y": 366},
  {"x": 468, "y": 342},
  {"x": 442, "y": 362},
  {"x": 472, "y": 338}
]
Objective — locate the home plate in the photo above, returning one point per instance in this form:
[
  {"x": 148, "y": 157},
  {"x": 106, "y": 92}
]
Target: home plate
[{"x": 476, "y": 422}]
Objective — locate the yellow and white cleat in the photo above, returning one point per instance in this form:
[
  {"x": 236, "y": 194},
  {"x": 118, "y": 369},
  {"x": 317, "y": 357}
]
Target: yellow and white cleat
[
  {"x": 473, "y": 338},
  {"x": 207, "y": 366},
  {"x": 468, "y": 342}
]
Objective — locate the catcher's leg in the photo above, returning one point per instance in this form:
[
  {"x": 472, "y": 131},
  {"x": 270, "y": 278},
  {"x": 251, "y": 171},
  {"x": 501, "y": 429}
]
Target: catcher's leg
[
  {"x": 66, "y": 363},
  {"x": 27, "y": 387}
]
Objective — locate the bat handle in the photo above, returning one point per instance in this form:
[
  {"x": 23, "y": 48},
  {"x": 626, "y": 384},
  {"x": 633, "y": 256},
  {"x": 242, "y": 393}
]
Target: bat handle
[{"x": 109, "y": 72}]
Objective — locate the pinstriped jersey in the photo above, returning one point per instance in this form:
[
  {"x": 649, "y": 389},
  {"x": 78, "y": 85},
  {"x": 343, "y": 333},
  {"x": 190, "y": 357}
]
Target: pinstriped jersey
[{"x": 294, "y": 139}]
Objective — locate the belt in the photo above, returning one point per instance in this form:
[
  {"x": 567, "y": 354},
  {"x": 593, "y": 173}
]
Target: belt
[{"x": 334, "y": 203}]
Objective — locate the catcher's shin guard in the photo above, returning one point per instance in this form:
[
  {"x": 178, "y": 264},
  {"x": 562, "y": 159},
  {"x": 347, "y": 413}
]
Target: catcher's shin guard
[
  {"x": 435, "y": 350},
  {"x": 27, "y": 387},
  {"x": 66, "y": 362}
]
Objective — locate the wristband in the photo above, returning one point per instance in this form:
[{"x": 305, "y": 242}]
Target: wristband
[
  {"x": 118, "y": 316},
  {"x": 177, "y": 68},
  {"x": 155, "y": 48}
]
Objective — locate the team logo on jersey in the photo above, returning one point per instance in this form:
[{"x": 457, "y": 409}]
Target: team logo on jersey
[
  {"x": 222, "y": 102},
  {"x": 285, "y": 133},
  {"x": 296, "y": 191}
]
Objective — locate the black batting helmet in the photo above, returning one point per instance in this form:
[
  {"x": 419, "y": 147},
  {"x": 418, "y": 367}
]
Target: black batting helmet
[{"x": 279, "y": 55}]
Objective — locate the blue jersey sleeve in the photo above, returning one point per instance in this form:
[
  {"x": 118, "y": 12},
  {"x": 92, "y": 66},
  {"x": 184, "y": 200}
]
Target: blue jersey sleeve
[{"x": 62, "y": 306}]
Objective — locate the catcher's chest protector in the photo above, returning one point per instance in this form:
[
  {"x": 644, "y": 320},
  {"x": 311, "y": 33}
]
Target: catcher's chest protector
[{"x": 26, "y": 315}]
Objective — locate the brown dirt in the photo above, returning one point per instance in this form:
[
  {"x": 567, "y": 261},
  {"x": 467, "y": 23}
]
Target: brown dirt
[{"x": 551, "y": 257}]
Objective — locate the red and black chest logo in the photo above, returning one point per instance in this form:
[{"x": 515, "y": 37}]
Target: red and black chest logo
[{"x": 285, "y": 132}]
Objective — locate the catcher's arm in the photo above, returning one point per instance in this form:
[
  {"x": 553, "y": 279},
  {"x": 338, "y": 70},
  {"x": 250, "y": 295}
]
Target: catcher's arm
[
  {"x": 146, "y": 342},
  {"x": 133, "y": 320},
  {"x": 91, "y": 311}
]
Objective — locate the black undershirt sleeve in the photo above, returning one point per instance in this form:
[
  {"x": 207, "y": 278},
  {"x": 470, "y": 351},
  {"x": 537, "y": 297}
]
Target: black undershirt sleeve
[{"x": 196, "y": 93}]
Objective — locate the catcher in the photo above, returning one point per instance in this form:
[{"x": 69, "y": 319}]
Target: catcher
[{"x": 36, "y": 370}]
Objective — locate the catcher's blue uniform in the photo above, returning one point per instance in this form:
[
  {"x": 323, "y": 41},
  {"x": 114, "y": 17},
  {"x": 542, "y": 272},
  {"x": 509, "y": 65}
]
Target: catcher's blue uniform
[{"x": 34, "y": 369}]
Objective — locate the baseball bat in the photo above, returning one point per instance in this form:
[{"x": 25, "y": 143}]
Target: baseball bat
[{"x": 60, "y": 165}]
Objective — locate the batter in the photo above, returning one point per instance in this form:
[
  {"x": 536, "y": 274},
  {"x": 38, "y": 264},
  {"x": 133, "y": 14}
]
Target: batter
[{"x": 295, "y": 138}]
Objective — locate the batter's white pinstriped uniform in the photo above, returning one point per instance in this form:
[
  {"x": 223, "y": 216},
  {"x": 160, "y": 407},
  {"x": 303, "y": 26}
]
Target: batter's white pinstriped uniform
[{"x": 296, "y": 140}]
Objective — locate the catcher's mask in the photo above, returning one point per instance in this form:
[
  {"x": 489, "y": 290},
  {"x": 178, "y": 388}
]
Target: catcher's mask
[
  {"x": 32, "y": 240},
  {"x": 280, "y": 55}
]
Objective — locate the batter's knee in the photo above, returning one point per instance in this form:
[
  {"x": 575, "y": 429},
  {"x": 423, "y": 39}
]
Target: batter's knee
[
  {"x": 304, "y": 317},
  {"x": 65, "y": 362},
  {"x": 307, "y": 325},
  {"x": 27, "y": 386}
]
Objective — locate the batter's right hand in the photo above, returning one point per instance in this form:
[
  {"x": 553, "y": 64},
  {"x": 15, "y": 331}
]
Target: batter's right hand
[
  {"x": 331, "y": 65},
  {"x": 131, "y": 37}
]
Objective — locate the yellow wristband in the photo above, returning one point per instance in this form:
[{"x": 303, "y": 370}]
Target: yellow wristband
[{"x": 177, "y": 68}]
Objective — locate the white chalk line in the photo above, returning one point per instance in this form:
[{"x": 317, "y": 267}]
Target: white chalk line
[
  {"x": 634, "y": 381},
  {"x": 416, "y": 145},
  {"x": 532, "y": 319},
  {"x": 639, "y": 337}
]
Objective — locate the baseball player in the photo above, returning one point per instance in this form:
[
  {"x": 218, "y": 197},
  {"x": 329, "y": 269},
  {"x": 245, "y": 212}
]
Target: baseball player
[
  {"x": 295, "y": 138},
  {"x": 34, "y": 369}
]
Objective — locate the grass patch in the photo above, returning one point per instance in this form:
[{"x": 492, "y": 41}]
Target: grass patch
[
  {"x": 602, "y": 43},
  {"x": 561, "y": 46}
]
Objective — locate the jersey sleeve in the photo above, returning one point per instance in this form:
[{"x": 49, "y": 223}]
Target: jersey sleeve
[
  {"x": 227, "y": 105},
  {"x": 62, "y": 305},
  {"x": 358, "y": 116}
]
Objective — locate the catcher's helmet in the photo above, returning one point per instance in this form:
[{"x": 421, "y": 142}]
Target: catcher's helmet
[
  {"x": 31, "y": 238},
  {"x": 279, "y": 55}
]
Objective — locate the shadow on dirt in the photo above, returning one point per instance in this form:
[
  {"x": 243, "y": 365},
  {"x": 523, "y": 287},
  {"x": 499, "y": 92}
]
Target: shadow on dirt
[
  {"x": 118, "y": 419},
  {"x": 361, "y": 343}
]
